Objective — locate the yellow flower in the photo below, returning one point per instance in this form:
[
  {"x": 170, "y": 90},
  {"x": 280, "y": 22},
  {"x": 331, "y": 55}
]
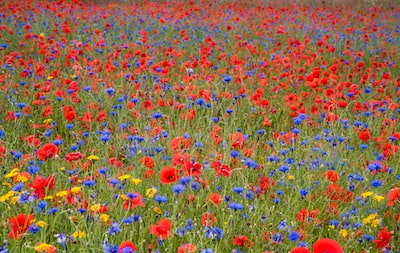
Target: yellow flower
[
  {"x": 331, "y": 226},
  {"x": 379, "y": 198},
  {"x": 41, "y": 224},
  {"x": 124, "y": 177},
  {"x": 50, "y": 78},
  {"x": 375, "y": 223},
  {"x": 44, "y": 247},
  {"x": 7, "y": 196},
  {"x": 343, "y": 233},
  {"x": 124, "y": 197},
  {"x": 366, "y": 194},
  {"x": 369, "y": 219},
  {"x": 290, "y": 177},
  {"x": 48, "y": 197},
  {"x": 42, "y": 35},
  {"x": 151, "y": 192},
  {"x": 104, "y": 217},
  {"x": 157, "y": 210},
  {"x": 61, "y": 194},
  {"x": 12, "y": 173},
  {"x": 21, "y": 178},
  {"x": 76, "y": 189},
  {"x": 95, "y": 208},
  {"x": 47, "y": 121},
  {"x": 93, "y": 157},
  {"x": 62, "y": 168},
  {"x": 79, "y": 235},
  {"x": 136, "y": 181},
  {"x": 7, "y": 184},
  {"x": 14, "y": 200}
]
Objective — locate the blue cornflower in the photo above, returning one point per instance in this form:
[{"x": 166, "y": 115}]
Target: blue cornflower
[
  {"x": 24, "y": 198},
  {"x": 18, "y": 187},
  {"x": 238, "y": 189},
  {"x": 249, "y": 194},
  {"x": 234, "y": 153},
  {"x": 114, "y": 229},
  {"x": 236, "y": 206},
  {"x": 195, "y": 186},
  {"x": 303, "y": 193},
  {"x": 61, "y": 238},
  {"x": 178, "y": 189},
  {"x": 184, "y": 180},
  {"x": 227, "y": 78},
  {"x": 33, "y": 229},
  {"x": 293, "y": 236},
  {"x": 277, "y": 237},
  {"x": 214, "y": 233},
  {"x": 110, "y": 91},
  {"x": 52, "y": 210},
  {"x": 41, "y": 205},
  {"x": 89, "y": 183},
  {"x": 283, "y": 168},
  {"x": 156, "y": 115},
  {"x": 160, "y": 199},
  {"x": 376, "y": 183}
]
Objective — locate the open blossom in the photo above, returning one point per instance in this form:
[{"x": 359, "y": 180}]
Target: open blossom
[
  {"x": 327, "y": 245},
  {"x": 44, "y": 247},
  {"x": 187, "y": 248},
  {"x": 127, "y": 247},
  {"x": 162, "y": 230},
  {"x": 169, "y": 175},
  {"x": 384, "y": 237},
  {"x": 40, "y": 185},
  {"x": 49, "y": 150},
  {"x": 393, "y": 196},
  {"x": 19, "y": 224},
  {"x": 242, "y": 241},
  {"x": 133, "y": 199}
]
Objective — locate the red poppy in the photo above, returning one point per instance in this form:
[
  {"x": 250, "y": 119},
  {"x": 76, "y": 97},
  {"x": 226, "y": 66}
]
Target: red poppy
[
  {"x": 101, "y": 116},
  {"x": 162, "y": 230},
  {"x": 242, "y": 241},
  {"x": 187, "y": 248},
  {"x": 127, "y": 247},
  {"x": 221, "y": 169},
  {"x": 208, "y": 219},
  {"x": 87, "y": 117},
  {"x": 69, "y": 113},
  {"x": 3, "y": 151},
  {"x": 147, "y": 161},
  {"x": 364, "y": 135},
  {"x": 327, "y": 245},
  {"x": 169, "y": 175},
  {"x": 115, "y": 162},
  {"x": 331, "y": 175},
  {"x": 333, "y": 191},
  {"x": 73, "y": 156},
  {"x": 148, "y": 173},
  {"x": 300, "y": 250},
  {"x": 48, "y": 150},
  {"x": 134, "y": 200},
  {"x": 148, "y": 105},
  {"x": 41, "y": 184},
  {"x": 384, "y": 238},
  {"x": 393, "y": 196},
  {"x": 32, "y": 141},
  {"x": 215, "y": 198},
  {"x": 47, "y": 111},
  {"x": 19, "y": 225}
]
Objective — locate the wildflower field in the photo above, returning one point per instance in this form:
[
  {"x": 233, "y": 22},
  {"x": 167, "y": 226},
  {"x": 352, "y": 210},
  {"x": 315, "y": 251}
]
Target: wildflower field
[{"x": 199, "y": 126}]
